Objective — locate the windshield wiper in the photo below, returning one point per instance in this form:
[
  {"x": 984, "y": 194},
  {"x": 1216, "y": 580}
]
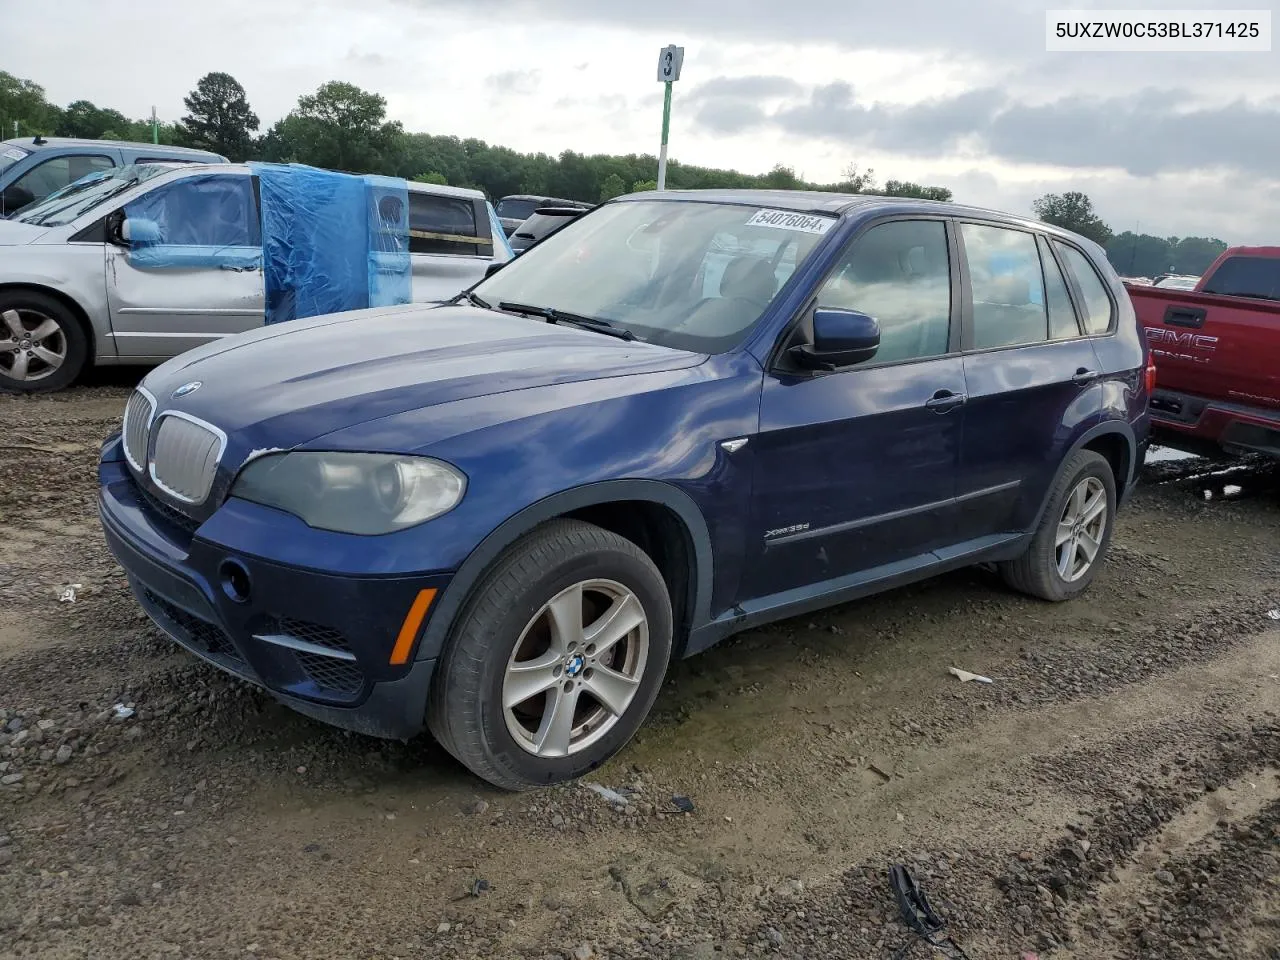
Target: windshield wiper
[
  {"x": 552, "y": 315},
  {"x": 471, "y": 298}
]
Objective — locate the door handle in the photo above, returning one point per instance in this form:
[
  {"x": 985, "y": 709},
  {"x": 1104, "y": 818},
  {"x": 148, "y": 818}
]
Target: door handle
[
  {"x": 945, "y": 401},
  {"x": 1085, "y": 376}
]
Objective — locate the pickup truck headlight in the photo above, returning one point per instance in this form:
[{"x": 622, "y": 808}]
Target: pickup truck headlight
[{"x": 363, "y": 493}]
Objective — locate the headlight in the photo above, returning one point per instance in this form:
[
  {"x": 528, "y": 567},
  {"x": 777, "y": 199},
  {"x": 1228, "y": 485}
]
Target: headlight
[{"x": 365, "y": 493}]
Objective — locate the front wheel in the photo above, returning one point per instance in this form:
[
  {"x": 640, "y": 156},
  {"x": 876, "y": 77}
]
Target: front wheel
[
  {"x": 42, "y": 345},
  {"x": 556, "y": 659},
  {"x": 1072, "y": 539}
]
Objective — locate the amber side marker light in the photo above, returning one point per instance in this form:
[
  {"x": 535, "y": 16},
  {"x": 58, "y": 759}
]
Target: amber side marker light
[
  {"x": 1151, "y": 374},
  {"x": 412, "y": 624}
]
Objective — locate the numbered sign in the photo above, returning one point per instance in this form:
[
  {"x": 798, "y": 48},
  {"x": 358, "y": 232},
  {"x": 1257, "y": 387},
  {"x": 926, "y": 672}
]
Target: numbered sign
[{"x": 670, "y": 60}]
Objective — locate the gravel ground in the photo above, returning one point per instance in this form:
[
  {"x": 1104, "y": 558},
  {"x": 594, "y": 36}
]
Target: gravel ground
[{"x": 1114, "y": 794}]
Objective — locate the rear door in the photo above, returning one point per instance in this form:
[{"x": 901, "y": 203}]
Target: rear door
[
  {"x": 450, "y": 244},
  {"x": 193, "y": 269},
  {"x": 1029, "y": 369}
]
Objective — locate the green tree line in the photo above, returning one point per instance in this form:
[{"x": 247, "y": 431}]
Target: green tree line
[
  {"x": 1132, "y": 254},
  {"x": 343, "y": 127}
]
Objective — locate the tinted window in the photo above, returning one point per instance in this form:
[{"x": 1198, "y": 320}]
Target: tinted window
[
  {"x": 210, "y": 211},
  {"x": 1008, "y": 286},
  {"x": 443, "y": 225},
  {"x": 517, "y": 209},
  {"x": 1062, "y": 315},
  {"x": 899, "y": 273},
  {"x": 1097, "y": 304},
  {"x": 1257, "y": 277},
  {"x": 42, "y": 180}
]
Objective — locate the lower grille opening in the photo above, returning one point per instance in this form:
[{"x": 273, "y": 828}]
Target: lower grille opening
[
  {"x": 170, "y": 514},
  {"x": 202, "y": 633},
  {"x": 339, "y": 675},
  {"x": 336, "y": 676}
]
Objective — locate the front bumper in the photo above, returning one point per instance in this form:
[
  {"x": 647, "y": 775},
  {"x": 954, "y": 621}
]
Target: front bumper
[{"x": 319, "y": 643}]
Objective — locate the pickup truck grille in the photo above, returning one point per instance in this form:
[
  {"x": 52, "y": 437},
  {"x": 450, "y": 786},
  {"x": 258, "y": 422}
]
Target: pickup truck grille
[
  {"x": 184, "y": 456},
  {"x": 136, "y": 429}
]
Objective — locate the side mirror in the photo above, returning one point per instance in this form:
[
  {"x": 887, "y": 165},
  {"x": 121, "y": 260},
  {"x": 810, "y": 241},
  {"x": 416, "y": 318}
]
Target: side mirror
[
  {"x": 841, "y": 338},
  {"x": 493, "y": 268},
  {"x": 137, "y": 232},
  {"x": 15, "y": 198}
]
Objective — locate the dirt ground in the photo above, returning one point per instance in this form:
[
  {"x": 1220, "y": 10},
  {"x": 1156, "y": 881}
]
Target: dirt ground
[{"x": 1115, "y": 793}]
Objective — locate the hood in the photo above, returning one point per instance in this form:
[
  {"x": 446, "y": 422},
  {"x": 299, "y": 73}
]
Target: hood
[
  {"x": 13, "y": 233},
  {"x": 287, "y": 384}
]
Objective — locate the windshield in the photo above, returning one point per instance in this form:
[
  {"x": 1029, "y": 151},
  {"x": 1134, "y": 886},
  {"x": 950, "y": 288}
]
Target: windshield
[
  {"x": 88, "y": 192},
  {"x": 11, "y": 155},
  {"x": 516, "y": 209},
  {"x": 689, "y": 275}
]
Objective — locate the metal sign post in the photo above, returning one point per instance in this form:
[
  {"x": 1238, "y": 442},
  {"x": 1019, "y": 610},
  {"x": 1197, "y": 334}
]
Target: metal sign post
[{"x": 670, "y": 60}]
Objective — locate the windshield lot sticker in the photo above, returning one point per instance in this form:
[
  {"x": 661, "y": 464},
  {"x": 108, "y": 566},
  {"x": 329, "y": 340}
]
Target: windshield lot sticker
[
  {"x": 786, "y": 220},
  {"x": 13, "y": 154}
]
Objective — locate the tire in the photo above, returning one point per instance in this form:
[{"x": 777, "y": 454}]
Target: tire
[
  {"x": 1039, "y": 571},
  {"x": 474, "y": 709},
  {"x": 23, "y": 313}
]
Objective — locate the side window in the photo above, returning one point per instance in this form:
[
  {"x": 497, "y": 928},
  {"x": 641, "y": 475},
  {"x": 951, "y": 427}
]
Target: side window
[
  {"x": 42, "y": 180},
  {"x": 1007, "y": 285},
  {"x": 210, "y": 211},
  {"x": 1097, "y": 303},
  {"x": 1257, "y": 277},
  {"x": 443, "y": 225},
  {"x": 899, "y": 273},
  {"x": 1063, "y": 324}
]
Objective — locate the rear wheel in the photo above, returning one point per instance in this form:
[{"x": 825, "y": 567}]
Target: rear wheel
[
  {"x": 556, "y": 660},
  {"x": 42, "y": 345},
  {"x": 1072, "y": 540}
]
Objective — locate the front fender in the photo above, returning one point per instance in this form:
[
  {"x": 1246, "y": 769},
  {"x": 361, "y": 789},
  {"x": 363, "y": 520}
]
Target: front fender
[{"x": 460, "y": 588}]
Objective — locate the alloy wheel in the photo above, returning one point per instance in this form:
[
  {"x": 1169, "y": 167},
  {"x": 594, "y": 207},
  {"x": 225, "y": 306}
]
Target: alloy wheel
[
  {"x": 576, "y": 668},
  {"x": 32, "y": 345},
  {"x": 1081, "y": 529}
]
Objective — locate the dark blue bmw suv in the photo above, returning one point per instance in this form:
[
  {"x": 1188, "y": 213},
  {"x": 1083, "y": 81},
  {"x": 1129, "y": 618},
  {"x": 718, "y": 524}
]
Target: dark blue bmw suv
[{"x": 683, "y": 415}]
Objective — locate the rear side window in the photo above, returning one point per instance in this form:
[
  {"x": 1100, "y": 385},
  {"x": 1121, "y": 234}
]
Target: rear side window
[
  {"x": 1097, "y": 303},
  {"x": 1257, "y": 277},
  {"x": 443, "y": 225},
  {"x": 1007, "y": 284},
  {"x": 1063, "y": 324}
]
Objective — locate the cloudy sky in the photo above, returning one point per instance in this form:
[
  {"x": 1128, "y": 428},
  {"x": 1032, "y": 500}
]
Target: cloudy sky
[{"x": 960, "y": 94}]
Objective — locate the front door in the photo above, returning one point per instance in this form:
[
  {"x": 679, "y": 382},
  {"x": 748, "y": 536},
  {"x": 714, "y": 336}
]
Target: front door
[
  {"x": 856, "y": 467},
  {"x": 1033, "y": 379},
  {"x": 192, "y": 269}
]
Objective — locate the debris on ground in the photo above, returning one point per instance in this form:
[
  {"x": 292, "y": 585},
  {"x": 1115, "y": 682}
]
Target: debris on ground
[
  {"x": 121, "y": 712},
  {"x": 1274, "y": 614},
  {"x": 68, "y": 594},
  {"x": 683, "y": 803},
  {"x": 965, "y": 676},
  {"x": 918, "y": 914},
  {"x": 613, "y": 796}
]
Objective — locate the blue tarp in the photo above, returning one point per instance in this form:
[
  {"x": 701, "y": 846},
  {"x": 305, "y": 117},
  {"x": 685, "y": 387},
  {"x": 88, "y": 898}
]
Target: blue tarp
[{"x": 332, "y": 241}]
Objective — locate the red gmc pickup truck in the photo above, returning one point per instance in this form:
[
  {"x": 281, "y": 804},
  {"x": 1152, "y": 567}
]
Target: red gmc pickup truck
[{"x": 1217, "y": 355}]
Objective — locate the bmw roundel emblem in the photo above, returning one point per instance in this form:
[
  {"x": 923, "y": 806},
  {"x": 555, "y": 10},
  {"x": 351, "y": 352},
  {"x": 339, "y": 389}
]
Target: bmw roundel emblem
[{"x": 185, "y": 390}]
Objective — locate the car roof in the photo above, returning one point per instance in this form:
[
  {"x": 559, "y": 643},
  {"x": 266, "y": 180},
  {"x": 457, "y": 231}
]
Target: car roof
[
  {"x": 244, "y": 168},
  {"x": 535, "y": 196},
  {"x": 841, "y": 204},
  {"x": 29, "y": 143}
]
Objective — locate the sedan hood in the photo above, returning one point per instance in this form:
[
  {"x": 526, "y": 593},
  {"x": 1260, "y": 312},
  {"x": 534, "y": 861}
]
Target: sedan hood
[
  {"x": 13, "y": 233},
  {"x": 287, "y": 384}
]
